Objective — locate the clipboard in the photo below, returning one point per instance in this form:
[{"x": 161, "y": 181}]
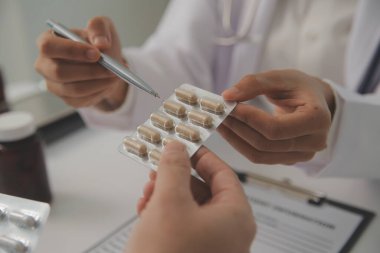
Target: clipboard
[
  {"x": 315, "y": 198},
  {"x": 115, "y": 241}
]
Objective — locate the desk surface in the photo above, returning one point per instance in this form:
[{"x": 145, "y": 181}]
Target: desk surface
[{"x": 95, "y": 190}]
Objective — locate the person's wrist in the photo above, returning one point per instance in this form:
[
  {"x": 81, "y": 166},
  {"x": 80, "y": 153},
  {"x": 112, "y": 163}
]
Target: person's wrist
[
  {"x": 117, "y": 95},
  {"x": 115, "y": 98}
]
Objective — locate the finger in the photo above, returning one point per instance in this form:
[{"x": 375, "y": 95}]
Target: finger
[
  {"x": 141, "y": 203},
  {"x": 52, "y": 46},
  {"x": 261, "y": 157},
  {"x": 147, "y": 193},
  {"x": 200, "y": 190},
  {"x": 312, "y": 143},
  {"x": 251, "y": 86},
  {"x": 99, "y": 32},
  {"x": 66, "y": 72},
  {"x": 303, "y": 121},
  {"x": 81, "y": 89},
  {"x": 173, "y": 173},
  {"x": 85, "y": 101},
  {"x": 152, "y": 175},
  {"x": 222, "y": 181},
  {"x": 148, "y": 190}
]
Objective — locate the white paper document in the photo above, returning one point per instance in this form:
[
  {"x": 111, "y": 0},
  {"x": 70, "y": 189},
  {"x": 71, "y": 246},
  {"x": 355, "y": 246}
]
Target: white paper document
[{"x": 285, "y": 224}]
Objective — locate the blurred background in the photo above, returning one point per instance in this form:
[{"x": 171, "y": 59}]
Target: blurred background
[{"x": 22, "y": 21}]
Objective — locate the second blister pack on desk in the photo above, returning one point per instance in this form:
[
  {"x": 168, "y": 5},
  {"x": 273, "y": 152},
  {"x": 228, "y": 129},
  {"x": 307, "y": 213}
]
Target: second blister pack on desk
[{"x": 21, "y": 221}]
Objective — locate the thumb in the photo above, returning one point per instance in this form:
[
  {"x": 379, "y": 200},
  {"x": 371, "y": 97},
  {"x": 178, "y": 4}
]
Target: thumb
[
  {"x": 99, "y": 32},
  {"x": 173, "y": 173},
  {"x": 252, "y": 86}
]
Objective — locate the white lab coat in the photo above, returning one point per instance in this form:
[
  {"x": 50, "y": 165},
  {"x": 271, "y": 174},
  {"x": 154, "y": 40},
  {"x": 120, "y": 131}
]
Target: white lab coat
[{"x": 183, "y": 50}]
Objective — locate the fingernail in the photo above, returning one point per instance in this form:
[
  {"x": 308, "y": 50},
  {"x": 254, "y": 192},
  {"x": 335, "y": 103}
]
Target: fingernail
[
  {"x": 101, "y": 41},
  {"x": 231, "y": 93},
  {"x": 174, "y": 146},
  {"x": 92, "y": 54}
]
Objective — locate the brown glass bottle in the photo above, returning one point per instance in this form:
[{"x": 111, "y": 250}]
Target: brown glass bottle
[{"x": 22, "y": 164}]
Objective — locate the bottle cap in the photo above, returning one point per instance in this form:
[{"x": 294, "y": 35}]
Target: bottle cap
[{"x": 16, "y": 126}]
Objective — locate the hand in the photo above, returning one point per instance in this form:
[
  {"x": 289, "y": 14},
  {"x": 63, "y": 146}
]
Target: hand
[
  {"x": 298, "y": 126},
  {"x": 71, "y": 69},
  {"x": 172, "y": 221}
]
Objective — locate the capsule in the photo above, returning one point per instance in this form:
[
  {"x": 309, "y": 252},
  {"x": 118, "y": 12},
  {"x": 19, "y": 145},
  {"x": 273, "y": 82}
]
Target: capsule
[
  {"x": 12, "y": 245},
  {"x": 187, "y": 132},
  {"x": 175, "y": 109},
  {"x": 162, "y": 121},
  {"x": 154, "y": 156},
  {"x": 200, "y": 118},
  {"x": 149, "y": 134},
  {"x": 135, "y": 147},
  {"x": 167, "y": 140},
  {"x": 186, "y": 96},
  {"x": 211, "y": 105},
  {"x": 23, "y": 220}
]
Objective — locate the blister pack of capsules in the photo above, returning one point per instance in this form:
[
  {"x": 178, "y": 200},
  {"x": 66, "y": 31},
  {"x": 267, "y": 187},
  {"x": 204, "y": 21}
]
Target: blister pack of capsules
[
  {"x": 21, "y": 221},
  {"x": 190, "y": 115}
]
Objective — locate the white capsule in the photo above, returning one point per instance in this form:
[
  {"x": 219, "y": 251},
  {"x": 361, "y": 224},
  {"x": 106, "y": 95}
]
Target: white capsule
[
  {"x": 135, "y": 147},
  {"x": 200, "y": 118},
  {"x": 12, "y": 245},
  {"x": 175, "y": 109},
  {"x": 162, "y": 121},
  {"x": 186, "y": 96},
  {"x": 211, "y": 105},
  {"x": 23, "y": 220},
  {"x": 187, "y": 132},
  {"x": 154, "y": 156},
  {"x": 149, "y": 134}
]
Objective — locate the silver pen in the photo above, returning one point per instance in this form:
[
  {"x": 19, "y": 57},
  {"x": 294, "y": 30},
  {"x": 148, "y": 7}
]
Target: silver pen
[{"x": 105, "y": 60}]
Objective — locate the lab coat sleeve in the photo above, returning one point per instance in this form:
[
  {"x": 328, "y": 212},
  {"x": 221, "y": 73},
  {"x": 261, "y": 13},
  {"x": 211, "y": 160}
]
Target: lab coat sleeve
[
  {"x": 354, "y": 139},
  {"x": 180, "y": 51}
]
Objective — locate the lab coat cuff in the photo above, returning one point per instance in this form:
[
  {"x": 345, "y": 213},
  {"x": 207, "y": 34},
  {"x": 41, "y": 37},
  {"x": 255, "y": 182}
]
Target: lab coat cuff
[{"x": 338, "y": 104}]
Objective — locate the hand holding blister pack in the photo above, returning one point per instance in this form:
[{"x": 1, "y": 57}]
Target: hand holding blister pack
[
  {"x": 189, "y": 116},
  {"x": 21, "y": 221}
]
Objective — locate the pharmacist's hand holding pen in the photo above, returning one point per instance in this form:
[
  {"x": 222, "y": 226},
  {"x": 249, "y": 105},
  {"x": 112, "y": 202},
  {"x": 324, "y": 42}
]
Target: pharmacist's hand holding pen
[
  {"x": 71, "y": 70},
  {"x": 171, "y": 220},
  {"x": 296, "y": 129}
]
